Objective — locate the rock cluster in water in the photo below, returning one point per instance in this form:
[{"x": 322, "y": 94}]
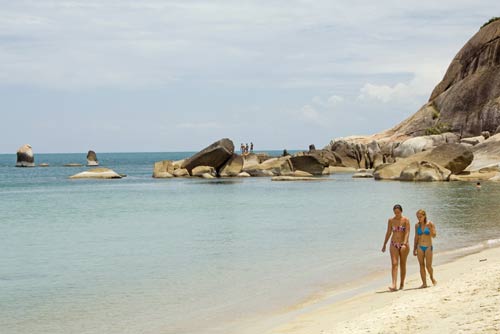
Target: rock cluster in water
[{"x": 220, "y": 160}]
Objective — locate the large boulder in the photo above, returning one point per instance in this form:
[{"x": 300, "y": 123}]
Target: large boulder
[
  {"x": 350, "y": 152},
  {"x": 454, "y": 157},
  {"x": 25, "y": 157},
  {"x": 486, "y": 154},
  {"x": 181, "y": 172},
  {"x": 326, "y": 157},
  {"x": 346, "y": 152},
  {"x": 423, "y": 143},
  {"x": 163, "y": 169},
  {"x": 201, "y": 170},
  {"x": 232, "y": 167},
  {"x": 271, "y": 167},
  {"x": 214, "y": 155},
  {"x": 92, "y": 159},
  {"x": 424, "y": 171},
  {"x": 472, "y": 141},
  {"x": 250, "y": 161},
  {"x": 97, "y": 173},
  {"x": 308, "y": 163}
]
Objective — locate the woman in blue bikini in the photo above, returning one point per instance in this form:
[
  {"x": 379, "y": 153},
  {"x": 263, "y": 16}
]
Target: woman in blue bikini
[
  {"x": 424, "y": 232},
  {"x": 399, "y": 227}
]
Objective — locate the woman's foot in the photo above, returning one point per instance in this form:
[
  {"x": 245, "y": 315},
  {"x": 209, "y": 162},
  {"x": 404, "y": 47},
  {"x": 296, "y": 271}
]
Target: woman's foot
[
  {"x": 401, "y": 287},
  {"x": 434, "y": 282},
  {"x": 392, "y": 288},
  {"x": 423, "y": 286}
]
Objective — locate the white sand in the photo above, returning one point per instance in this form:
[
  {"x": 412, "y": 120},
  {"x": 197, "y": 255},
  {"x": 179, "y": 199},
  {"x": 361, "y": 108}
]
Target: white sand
[{"x": 466, "y": 300}]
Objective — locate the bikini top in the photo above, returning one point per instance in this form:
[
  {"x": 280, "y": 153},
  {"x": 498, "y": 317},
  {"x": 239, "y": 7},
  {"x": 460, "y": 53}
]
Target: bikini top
[
  {"x": 426, "y": 231},
  {"x": 399, "y": 228}
]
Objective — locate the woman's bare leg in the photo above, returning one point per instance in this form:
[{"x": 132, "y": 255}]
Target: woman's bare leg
[
  {"x": 404, "y": 251},
  {"x": 394, "y": 262},
  {"x": 428, "y": 264},
  {"x": 421, "y": 262}
]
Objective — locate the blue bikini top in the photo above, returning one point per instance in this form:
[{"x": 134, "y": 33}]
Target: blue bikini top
[{"x": 426, "y": 231}]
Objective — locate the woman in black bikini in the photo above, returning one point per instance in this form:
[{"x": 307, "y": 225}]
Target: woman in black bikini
[
  {"x": 422, "y": 249},
  {"x": 399, "y": 227}
]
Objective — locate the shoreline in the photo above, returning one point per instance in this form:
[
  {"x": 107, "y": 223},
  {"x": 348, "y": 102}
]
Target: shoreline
[{"x": 367, "y": 306}]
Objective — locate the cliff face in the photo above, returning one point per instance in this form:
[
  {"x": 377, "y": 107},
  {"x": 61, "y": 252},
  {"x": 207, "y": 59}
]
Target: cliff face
[{"x": 467, "y": 100}]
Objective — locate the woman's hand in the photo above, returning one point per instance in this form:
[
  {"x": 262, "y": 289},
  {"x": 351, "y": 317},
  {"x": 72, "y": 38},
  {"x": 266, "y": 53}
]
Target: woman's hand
[{"x": 383, "y": 249}]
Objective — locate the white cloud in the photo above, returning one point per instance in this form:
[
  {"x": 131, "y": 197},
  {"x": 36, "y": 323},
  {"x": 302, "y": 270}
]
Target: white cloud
[
  {"x": 329, "y": 102},
  {"x": 308, "y": 113},
  {"x": 419, "y": 88}
]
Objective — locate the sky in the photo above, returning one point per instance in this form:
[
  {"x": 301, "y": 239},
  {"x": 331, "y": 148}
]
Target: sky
[{"x": 156, "y": 76}]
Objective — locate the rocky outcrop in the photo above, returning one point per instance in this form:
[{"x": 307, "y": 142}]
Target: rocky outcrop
[
  {"x": 423, "y": 143},
  {"x": 472, "y": 141},
  {"x": 97, "y": 173},
  {"x": 354, "y": 154},
  {"x": 271, "y": 167},
  {"x": 232, "y": 167},
  {"x": 467, "y": 100},
  {"x": 163, "y": 169},
  {"x": 181, "y": 172},
  {"x": 250, "y": 161},
  {"x": 308, "y": 163},
  {"x": 201, "y": 170},
  {"x": 215, "y": 155},
  {"x": 341, "y": 170},
  {"x": 424, "y": 171},
  {"x": 453, "y": 157},
  {"x": 486, "y": 154},
  {"x": 25, "y": 156},
  {"x": 92, "y": 159}
]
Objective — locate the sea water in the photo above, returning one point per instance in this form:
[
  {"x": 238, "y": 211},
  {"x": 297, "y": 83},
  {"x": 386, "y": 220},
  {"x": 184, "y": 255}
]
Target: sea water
[{"x": 144, "y": 255}]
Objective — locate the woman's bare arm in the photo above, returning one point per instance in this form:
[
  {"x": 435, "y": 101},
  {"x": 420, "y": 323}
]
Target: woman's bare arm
[
  {"x": 407, "y": 232},
  {"x": 387, "y": 234},
  {"x": 415, "y": 240},
  {"x": 433, "y": 230}
]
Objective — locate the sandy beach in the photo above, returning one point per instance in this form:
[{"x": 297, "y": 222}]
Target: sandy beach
[{"x": 465, "y": 300}]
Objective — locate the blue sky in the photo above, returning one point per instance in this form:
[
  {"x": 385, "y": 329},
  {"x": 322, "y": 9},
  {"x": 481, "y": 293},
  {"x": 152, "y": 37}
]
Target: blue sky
[{"x": 118, "y": 76}]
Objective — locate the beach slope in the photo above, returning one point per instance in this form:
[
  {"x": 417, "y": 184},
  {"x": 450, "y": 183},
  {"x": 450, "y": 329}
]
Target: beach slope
[{"x": 466, "y": 300}]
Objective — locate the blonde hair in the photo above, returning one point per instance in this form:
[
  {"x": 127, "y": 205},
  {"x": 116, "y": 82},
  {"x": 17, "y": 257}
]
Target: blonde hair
[{"x": 422, "y": 212}]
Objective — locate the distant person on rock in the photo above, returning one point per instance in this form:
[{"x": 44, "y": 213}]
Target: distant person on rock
[
  {"x": 478, "y": 185},
  {"x": 399, "y": 227},
  {"x": 242, "y": 148},
  {"x": 251, "y": 147},
  {"x": 285, "y": 152},
  {"x": 246, "y": 148},
  {"x": 422, "y": 249}
]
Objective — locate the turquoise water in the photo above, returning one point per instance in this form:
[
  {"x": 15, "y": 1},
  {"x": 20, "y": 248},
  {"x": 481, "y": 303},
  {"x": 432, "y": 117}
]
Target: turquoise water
[{"x": 143, "y": 255}]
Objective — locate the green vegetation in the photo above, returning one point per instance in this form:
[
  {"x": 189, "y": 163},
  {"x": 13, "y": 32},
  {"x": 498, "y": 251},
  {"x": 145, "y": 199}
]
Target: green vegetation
[
  {"x": 438, "y": 129},
  {"x": 493, "y": 19},
  {"x": 435, "y": 114},
  {"x": 435, "y": 111}
]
